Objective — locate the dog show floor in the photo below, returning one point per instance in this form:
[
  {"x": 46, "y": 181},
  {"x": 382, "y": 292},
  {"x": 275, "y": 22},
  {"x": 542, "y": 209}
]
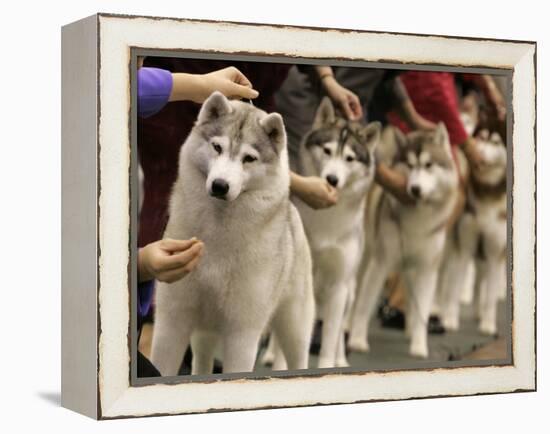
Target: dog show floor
[{"x": 389, "y": 347}]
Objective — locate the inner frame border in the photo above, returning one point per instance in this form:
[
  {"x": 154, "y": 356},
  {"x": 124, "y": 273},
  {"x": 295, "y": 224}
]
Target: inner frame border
[{"x": 136, "y": 52}]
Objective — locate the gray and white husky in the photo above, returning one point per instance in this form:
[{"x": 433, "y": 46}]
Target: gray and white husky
[
  {"x": 408, "y": 238},
  {"x": 342, "y": 152},
  {"x": 479, "y": 234},
  {"x": 232, "y": 193}
]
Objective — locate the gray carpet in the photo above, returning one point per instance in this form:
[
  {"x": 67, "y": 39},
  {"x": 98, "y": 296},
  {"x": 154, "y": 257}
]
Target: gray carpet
[{"x": 389, "y": 347}]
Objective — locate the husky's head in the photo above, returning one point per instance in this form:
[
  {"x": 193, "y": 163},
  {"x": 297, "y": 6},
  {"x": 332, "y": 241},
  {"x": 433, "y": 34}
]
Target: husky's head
[
  {"x": 341, "y": 151},
  {"x": 426, "y": 158},
  {"x": 493, "y": 152},
  {"x": 237, "y": 147}
]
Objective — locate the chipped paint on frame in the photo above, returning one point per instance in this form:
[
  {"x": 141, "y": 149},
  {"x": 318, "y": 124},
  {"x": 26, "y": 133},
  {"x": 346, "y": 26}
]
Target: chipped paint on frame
[{"x": 116, "y": 396}]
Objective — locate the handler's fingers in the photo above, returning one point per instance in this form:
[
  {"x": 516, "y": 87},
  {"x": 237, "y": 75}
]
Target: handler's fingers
[
  {"x": 346, "y": 106},
  {"x": 241, "y": 91},
  {"x": 239, "y": 78},
  {"x": 179, "y": 273},
  {"x": 355, "y": 106},
  {"x": 171, "y": 245},
  {"x": 183, "y": 258}
]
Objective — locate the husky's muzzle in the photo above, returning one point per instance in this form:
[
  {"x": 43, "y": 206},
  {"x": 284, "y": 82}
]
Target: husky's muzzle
[{"x": 219, "y": 188}]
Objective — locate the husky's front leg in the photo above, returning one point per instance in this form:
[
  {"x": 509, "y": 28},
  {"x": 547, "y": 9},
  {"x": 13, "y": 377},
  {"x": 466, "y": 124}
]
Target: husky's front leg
[
  {"x": 341, "y": 359},
  {"x": 333, "y": 319},
  {"x": 269, "y": 354},
  {"x": 422, "y": 283},
  {"x": 452, "y": 285},
  {"x": 293, "y": 326},
  {"x": 171, "y": 335},
  {"x": 369, "y": 290},
  {"x": 239, "y": 350},
  {"x": 203, "y": 345},
  {"x": 488, "y": 307}
]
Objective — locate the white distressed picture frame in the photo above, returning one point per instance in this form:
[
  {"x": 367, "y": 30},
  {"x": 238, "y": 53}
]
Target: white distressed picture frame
[{"x": 96, "y": 261}]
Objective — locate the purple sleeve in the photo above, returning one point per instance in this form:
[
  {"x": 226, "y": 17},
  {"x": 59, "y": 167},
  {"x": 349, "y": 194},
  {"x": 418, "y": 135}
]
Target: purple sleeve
[
  {"x": 154, "y": 87},
  {"x": 145, "y": 297}
]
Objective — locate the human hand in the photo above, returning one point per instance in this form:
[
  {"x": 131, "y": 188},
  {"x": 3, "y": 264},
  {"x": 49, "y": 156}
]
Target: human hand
[
  {"x": 314, "y": 191},
  {"x": 169, "y": 260},
  {"x": 229, "y": 81},
  {"x": 344, "y": 98},
  {"x": 423, "y": 124}
]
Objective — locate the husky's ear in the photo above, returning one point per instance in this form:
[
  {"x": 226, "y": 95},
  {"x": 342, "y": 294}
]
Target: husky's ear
[
  {"x": 399, "y": 138},
  {"x": 495, "y": 138},
  {"x": 442, "y": 137},
  {"x": 325, "y": 114},
  {"x": 215, "y": 106},
  {"x": 371, "y": 135},
  {"x": 483, "y": 134},
  {"x": 274, "y": 127}
]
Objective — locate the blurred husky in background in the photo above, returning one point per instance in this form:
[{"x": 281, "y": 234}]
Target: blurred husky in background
[
  {"x": 407, "y": 238},
  {"x": 479, "y": 234},
  {"x": 342, "y": 153}
]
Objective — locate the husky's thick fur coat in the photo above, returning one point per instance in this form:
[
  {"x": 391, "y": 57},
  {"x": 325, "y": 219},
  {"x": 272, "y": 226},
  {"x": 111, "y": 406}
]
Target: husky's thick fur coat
[
  {"x": 342, "y": 152},
  {"x": 408, "y": 238},
  {"x": 479, "y": 234},
  {"x": 232, "y": 193}
]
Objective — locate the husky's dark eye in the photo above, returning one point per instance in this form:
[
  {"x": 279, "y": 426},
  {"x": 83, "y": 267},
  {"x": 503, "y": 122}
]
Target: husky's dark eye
[
  {"x": 249, "y": 159},
  {"x": 327, "y": 151},
  {"x": 428, "y": 164},
  {"x": 217, "y": 148},
  {"x": 350, "y": 158}
]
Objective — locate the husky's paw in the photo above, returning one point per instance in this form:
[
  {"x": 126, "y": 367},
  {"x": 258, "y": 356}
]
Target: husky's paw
[
  {"x": 488, "y": 328},
  {"x": 450, "y": 323},
  {"x": 267, "y": 358},
  {"x": 325, "y": 362},
  {"x": 358, "y": 345},
  {"x": 419, "y": 350},
  {"x": 342, "y": 363}
]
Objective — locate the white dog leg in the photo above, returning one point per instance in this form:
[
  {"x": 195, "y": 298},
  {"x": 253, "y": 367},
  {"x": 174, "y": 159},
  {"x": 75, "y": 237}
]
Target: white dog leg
[
  {"x": 422, "y": 289},
  {"x": 279, "y": 360},
  {"x": 239, "y": 350},
  {"x": 171, "y": 336},
  {"x": 203, "y": 345},
  {"x": 269, "y": 354},
  {"x": 503, "y": 287},
  {"x": 488, "y": 323},
  {"x": 467, "y": 292},
  {"x": 480, "y": 287},
  {"x": 333, "y": 319},
  {"x": 341, "y": 359},
  {"x": 293, "y": 326},
  {"x": 454, "y": 280},
  {"x": 369, "y": 290}
]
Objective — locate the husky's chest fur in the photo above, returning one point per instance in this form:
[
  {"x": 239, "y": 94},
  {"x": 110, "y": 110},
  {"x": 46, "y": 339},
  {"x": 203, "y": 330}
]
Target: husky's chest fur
[{"x": 241, "y": 240}]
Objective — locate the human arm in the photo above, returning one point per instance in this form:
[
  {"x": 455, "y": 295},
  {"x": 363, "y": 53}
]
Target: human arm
[
  {"x": 393, "y": 182},
  {"x": 344, "y": 98},
  {"x": 157, "y": 87},
  {"x": 197, "y": 87}
]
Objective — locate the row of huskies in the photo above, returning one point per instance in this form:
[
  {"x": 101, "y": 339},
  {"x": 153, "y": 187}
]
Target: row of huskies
[{"x": 273, "y": 265}]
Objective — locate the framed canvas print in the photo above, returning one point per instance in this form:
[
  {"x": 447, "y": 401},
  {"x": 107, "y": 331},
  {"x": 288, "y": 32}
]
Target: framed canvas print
[{"x": 260, "y": 216}]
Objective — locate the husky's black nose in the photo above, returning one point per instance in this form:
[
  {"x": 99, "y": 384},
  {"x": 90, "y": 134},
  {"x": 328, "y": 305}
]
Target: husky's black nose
[
  {"x": 219, "y": 188},
  {"x": 415, "y": 191},
  {"x": 332, "y": 180}
]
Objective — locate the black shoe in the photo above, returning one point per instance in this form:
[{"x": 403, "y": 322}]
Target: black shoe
[
  {"x": 392, "y": 318},
  {"x": 435, "y": 327}
]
